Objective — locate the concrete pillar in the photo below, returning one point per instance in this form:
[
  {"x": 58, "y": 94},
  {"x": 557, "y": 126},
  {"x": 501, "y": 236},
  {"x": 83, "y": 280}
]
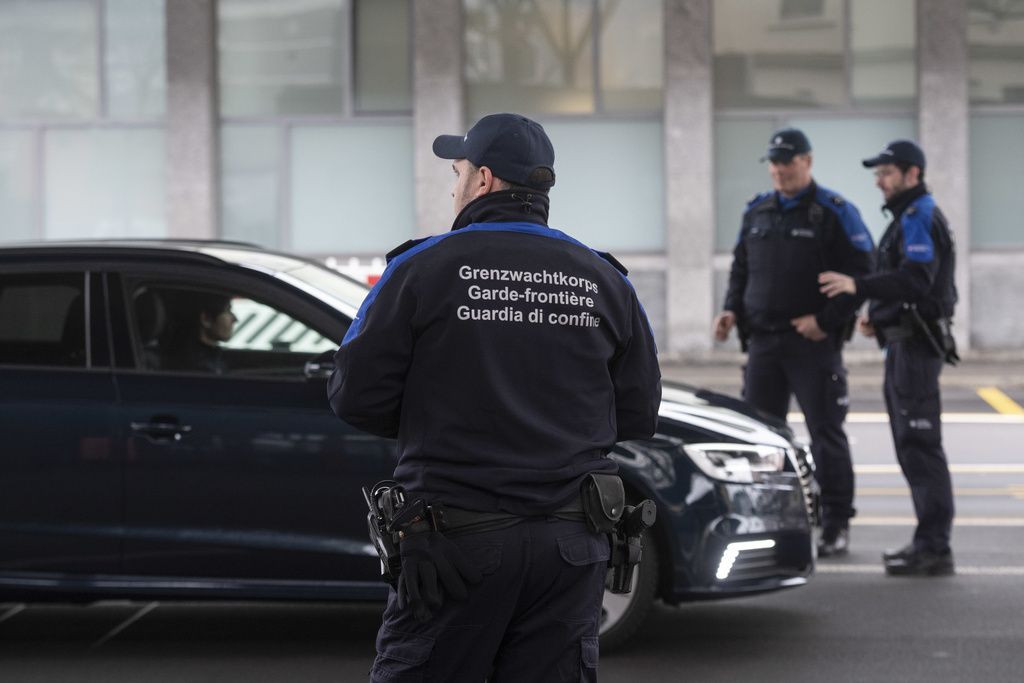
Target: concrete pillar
[
  {"x": 943, "y": 125},
  {"x": 689, "y": 177},
  {"x": 439, "y": 106},
  {"x": 192, "y": 126}
]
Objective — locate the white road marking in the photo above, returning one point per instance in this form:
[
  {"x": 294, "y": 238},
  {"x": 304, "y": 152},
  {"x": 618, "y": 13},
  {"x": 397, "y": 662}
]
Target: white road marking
[
  {"x": 955, "y": 468},
  {"x": 125, "y": 624},
  {"x": 829, "y": 568},
  {"x": 947, "y": 418},
  {"x": 866, "y": 520},
  {"x": 11, "y": 612}
]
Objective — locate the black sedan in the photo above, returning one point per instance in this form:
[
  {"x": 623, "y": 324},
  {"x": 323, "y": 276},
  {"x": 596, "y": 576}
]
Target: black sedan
[{"x": 135, "y": 464}]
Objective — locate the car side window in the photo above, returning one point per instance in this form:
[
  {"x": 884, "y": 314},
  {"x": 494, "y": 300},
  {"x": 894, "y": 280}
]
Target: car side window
[
  {"x": 43, "y": 319},
  {"x": 183, "y": 328}
]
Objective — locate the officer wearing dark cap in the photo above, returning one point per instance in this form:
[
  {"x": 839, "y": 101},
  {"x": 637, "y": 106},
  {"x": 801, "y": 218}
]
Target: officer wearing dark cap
[
  {"x": 792, "y": 332},
  {"x": 507, "y": 358},
  {"x": 912, "y": 295}
]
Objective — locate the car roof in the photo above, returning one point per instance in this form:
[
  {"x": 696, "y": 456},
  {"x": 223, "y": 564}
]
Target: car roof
[{"x": 208, "y": 251}]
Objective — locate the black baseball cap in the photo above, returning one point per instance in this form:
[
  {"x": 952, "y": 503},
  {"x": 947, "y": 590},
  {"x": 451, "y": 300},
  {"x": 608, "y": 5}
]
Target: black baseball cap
[
  {"x": 512, "y": 146},
  {"x": 898, "y": 150},
  {"x": 786, "y": 144}
]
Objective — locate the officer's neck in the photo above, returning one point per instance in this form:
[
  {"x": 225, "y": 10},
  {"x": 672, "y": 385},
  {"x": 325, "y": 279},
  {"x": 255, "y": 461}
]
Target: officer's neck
[{"x": 505, "y": 206}]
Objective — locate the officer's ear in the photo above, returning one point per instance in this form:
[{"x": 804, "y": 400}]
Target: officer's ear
[{"x": 485, "y": 182}]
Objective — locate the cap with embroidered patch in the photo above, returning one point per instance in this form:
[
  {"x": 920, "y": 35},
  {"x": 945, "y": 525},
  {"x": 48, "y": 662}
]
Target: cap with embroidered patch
[
  {"x": 786, "y": 144},
  {"x": 898, "y": 150},
  {"x": 512, "y": 146}
]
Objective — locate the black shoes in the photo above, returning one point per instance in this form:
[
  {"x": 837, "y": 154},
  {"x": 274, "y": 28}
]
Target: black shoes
[
  {"x": 834, "y": 541},
  {"x": 910, "y": 562}
]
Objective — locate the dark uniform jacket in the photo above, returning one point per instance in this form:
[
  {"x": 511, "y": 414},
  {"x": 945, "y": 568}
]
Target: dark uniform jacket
[
  {"x": 916, "y": 262},
  {"x": 780, "y": 252},
  {"x": 505, "y": 356}
]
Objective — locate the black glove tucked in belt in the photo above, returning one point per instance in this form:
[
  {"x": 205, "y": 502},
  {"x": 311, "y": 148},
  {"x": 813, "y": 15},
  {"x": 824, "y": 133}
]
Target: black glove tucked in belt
[{"x": 430, "y": 561}]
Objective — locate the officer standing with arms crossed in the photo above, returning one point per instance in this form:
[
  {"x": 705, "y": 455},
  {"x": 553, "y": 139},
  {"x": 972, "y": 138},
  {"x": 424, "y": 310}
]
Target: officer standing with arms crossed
[
  {"x": 912, "y": 295},
  {"x": 508, "y": 359},
  {"x": 792, "y": 332}
]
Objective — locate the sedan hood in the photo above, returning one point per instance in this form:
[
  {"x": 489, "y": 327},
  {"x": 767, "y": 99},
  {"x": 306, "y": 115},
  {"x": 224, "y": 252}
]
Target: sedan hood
[{"x": 723, "y": 414}]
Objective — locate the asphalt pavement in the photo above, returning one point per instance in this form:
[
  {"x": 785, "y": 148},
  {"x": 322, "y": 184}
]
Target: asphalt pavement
[{"x": 865, "y": 371}]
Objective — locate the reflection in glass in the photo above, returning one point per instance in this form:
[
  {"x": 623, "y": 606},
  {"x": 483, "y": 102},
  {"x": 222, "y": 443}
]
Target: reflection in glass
[
  {"x": 280, "y": 57},
  {"x": 383, "y": 60},
  {"x": 249, "y": 184},
  {"x": 48, "y": 60},
  {"x": 529, "y": 56},
  {"x": 995, "y": 43},
  {"x": 104, "y": 183},
  {"x": 632, "y": 55},
  {"x": 884, "y": 56},
  {"x": 134, "y": 59},
  {"x": 769, "y": 54}
]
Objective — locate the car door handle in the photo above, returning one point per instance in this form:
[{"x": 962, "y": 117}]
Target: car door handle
[{"x": 161, "y": 429}]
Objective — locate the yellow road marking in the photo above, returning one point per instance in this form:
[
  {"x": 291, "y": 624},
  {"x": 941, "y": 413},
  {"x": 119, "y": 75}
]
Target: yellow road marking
[{"x": 1000, "y": 401}]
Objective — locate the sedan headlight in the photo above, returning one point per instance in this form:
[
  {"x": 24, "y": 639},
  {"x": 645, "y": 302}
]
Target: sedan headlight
[{"x": 740, "y": 463}]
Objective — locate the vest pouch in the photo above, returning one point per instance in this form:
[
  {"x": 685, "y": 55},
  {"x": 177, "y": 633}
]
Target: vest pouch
[{"x": 603, "y": 501}]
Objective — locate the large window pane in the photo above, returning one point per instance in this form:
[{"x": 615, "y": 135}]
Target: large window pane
[
  {"x": 883, "y": 44},
  {"x": 997, "y": 166},
  {"x": 632, "y": 55},
  {"x": 17, "y": 172},
  {"x": 135, "y": 57},
  {"x": 738, "y": 175},
  {"x": 839, "y": 147},
  {"x": 104, "y": 183},
  {"x": 995, "y": 41},
  {"x": 48, "y": 59},
  {"x": 383, "y": 55},
  {"x": 778, "y": 54},
  {"x": 610, "y": 196},
  {"x": 352, "y": 188},
  {"x": 281, "y": 57},
  {"x": 533, "y": 57},
  {"x": 250, "y": 157}
]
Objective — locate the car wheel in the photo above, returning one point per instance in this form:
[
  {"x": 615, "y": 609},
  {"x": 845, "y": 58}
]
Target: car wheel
[{"x": 622, "y": 614}]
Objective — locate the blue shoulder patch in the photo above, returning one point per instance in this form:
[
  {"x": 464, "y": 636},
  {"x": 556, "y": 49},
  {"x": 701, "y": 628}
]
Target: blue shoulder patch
[
  {"x": 917, "y": 229},
  {"x": 757, "y": 199},
  {"x": 849, "y": 218}
]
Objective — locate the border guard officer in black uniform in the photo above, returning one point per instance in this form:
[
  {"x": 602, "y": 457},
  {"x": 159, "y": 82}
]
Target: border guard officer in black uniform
[
  {"x": 912, "y": 295},
  {"x": 793, "y": 333},
  {"x": 508, "y": 359}
]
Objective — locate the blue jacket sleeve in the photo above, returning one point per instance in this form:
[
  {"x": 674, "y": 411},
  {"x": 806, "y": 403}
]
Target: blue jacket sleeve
[
  {"x": 918, "y": 267},
  {"x": 851, "y": 251},
  {"x": 369, "y": 395}
]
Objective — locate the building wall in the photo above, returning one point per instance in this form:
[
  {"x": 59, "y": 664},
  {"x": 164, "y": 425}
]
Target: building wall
[{"x": 308, "y": 126}]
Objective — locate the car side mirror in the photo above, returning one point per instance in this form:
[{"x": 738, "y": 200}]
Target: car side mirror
[{"x": 320, "y": 366}]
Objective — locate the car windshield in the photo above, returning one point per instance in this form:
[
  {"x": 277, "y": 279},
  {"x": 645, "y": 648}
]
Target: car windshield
[{"x": 340, "y": 291}]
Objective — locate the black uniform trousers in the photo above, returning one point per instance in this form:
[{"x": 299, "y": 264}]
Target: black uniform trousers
[
  {"x": 915, "y": 405},
  {"x": 535, "y": 616},
  {"x": 783, "y": 363}
]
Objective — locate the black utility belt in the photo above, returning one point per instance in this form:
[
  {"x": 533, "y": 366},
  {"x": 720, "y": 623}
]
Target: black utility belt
[
  {"x": 895, "y": 333},
  {"x": 937, "y": 334}
]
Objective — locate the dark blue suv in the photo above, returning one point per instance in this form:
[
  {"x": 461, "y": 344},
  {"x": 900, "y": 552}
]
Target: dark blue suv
[{"x": 165, "y": 433}]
